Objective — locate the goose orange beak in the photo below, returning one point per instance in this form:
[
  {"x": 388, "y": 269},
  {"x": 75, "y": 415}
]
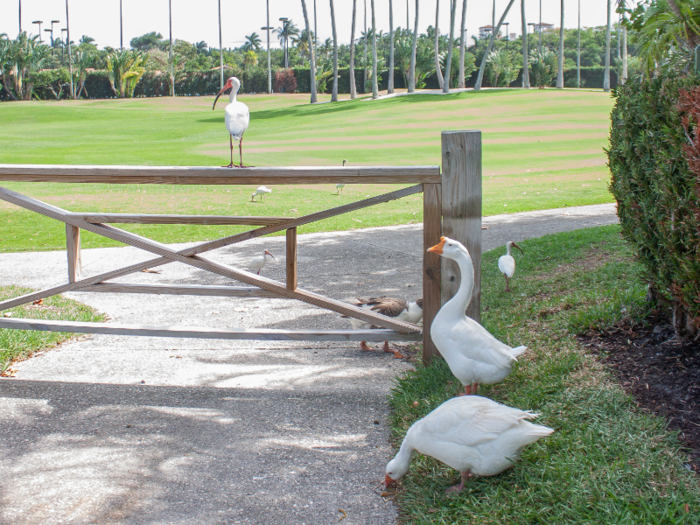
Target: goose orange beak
[
  {"x": 387, "y": 481},
  {"x": 438, "y": 247}
]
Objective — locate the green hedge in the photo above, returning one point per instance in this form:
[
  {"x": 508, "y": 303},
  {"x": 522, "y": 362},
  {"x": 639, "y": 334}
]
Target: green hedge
[{"x": 657, "y": 193}]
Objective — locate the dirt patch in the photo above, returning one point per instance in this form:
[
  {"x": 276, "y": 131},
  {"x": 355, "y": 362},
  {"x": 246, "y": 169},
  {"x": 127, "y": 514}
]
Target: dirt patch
[{"x": 661, "y": 373}]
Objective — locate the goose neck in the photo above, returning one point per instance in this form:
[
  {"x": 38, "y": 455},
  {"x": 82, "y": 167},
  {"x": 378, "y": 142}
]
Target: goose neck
[{"x": 466, "y": 286}]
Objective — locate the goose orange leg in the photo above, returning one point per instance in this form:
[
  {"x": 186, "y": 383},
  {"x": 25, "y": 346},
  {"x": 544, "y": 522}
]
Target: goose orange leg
[
  {"x": 458, "y": 488},
  {"x": 364, "y": 347}
]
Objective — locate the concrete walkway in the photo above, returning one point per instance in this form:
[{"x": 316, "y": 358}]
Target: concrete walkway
[{"x": 110, "y": 429}]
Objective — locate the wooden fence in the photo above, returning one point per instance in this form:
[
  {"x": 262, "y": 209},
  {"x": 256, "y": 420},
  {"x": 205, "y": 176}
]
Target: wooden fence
[{"x": 451, "y": 205}]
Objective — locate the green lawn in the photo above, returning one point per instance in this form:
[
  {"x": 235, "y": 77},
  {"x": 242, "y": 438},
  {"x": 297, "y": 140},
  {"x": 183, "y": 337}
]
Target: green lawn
[
  {"x": 542, "y": 149},
  {"x": 607, "y": 462}
]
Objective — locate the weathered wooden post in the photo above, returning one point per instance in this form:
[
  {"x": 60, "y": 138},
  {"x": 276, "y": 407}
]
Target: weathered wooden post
[
  {"x": 73, "y": 249},
  {"x": 453, "y": 209},
  {"x": 292, "y": 259},
  {"x": 461, "y": 209}
]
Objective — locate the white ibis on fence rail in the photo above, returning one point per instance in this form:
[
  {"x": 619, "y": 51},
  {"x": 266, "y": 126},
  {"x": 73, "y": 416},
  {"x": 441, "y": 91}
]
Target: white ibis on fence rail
[
  {"x": 259, "y": 262},
  {"x": 262, "y": 190},
  {"x": 397, "y": 308},
  {"x": 506, "y": 263},
  {"x": 471, "y": 434},
  {"x": 472, "y": 353},
  {"x": 237, "y": 117},
  {"x": 339, "y": 187}
]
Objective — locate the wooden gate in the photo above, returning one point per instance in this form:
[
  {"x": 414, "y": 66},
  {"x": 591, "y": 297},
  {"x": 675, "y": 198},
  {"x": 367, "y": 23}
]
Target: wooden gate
[{"x": 451, "y": 206}]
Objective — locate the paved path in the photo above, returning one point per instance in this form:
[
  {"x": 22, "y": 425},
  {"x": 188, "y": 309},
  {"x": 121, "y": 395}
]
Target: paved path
[{"x": 110, "y": 429}]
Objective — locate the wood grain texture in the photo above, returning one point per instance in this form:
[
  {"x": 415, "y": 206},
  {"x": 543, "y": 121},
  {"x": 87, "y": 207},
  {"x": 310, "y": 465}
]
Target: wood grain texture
[
  {"x": 211, "y": 175},
  {"x": 292, "y": 259},
  {"x": 204, "y": 264},
  {"x": 461, "y": 209},
  {"x": 206, "y": 333},
  {"x": 189, "y": 289},
  {"x": 129, "y": 218},
  {"x": 432, "y": 230},
  {"x": 75, "y": 266}
]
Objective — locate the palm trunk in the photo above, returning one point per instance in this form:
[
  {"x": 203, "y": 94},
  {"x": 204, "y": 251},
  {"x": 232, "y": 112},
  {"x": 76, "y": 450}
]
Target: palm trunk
[
  {"x": 390, "y": 85},
  {"x": 412, "y": 73},
  {"x": 480, "y": 78},
  {"x": 353, "y": 87},
  {"x": 448, "y": 68},
  {"x": 375, "y": 87},
  {"x": 560, "y": 62},
  {"x": 606, "y": 77},
  {"x": 526, "y": 54},
  {"x": 438, "y": 71},
  {"x": 171, "y": 68},
  {"x": 314, "y": 98},
  {"x": 578, "y": 50},
  {"x": 624, "y": 55},
  {"x": 334, "y": 96},
  {"x": 462, "y": 46},
  {"x": 364, "y": 80},
  {"x": 408, "y": 24},
  {"x": 70, "y": 55},
  {"x": 221, "y": 49}
]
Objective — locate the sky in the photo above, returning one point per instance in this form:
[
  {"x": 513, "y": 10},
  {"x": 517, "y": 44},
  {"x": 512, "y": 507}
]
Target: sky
[{"x": 198, "y": 20}]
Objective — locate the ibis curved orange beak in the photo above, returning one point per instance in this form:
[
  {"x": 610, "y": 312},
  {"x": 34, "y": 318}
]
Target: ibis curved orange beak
[
  {"x": 438, "y": 247},
  {"x": 270, "y": 254},
  {"x": 518, "y": 247},
  {"x": 226, "y": 86},
  {"x": 387, "y": 481}
]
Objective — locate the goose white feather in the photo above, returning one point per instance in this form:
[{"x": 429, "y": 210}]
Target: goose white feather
[
  {"x": 471, "y": 434},
  {"x": 472, "y": 353}
]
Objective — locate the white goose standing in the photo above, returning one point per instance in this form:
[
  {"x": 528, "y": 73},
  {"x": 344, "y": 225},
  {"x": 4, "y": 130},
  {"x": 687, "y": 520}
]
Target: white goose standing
[
  {"x": 471, "y": 434},
  {"x": 506, "y": 263},
  {"x": 237, "y": 117},
  {"x": 472, "y": 353}
]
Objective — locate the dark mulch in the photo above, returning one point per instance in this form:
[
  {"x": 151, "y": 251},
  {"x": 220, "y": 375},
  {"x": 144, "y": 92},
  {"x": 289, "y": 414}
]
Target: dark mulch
[{"x": 661, "y": 373}]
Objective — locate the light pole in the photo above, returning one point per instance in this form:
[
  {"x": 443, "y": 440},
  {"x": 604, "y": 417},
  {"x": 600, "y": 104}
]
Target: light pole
[
  {"x": 20, "y": 16},
  {"x": 540, "y": 26},
  {"x": 221, "y": 52},
  {"x": 269, "y": 61},
  {"x": 38, "y": 22},
  {"x": 63, "y": 46},
  {"x": 507, "y": 24},
  {"x": 284, "y": 29},
  {"x": 70, "y": 57},
  {"x": 51, "y": 30}
]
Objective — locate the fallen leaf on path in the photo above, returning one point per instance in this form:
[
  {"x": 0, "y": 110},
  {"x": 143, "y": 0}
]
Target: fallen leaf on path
[
  {"x": 345, "y": 514},
  {"x": 38, "y": 302},
  {"x": 148, "y": 270}
]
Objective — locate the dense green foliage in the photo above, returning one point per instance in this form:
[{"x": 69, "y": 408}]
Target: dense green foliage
[
  {"x": 607, "y": 461},
  {"x": 657, "y": 192}
]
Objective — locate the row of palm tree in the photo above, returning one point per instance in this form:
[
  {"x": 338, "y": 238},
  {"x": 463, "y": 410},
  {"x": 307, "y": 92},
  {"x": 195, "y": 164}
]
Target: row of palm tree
[{"x": 445, "y": 86}]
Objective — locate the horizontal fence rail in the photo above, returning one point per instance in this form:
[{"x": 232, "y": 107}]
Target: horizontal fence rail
[{"x": 211, "y": 175}]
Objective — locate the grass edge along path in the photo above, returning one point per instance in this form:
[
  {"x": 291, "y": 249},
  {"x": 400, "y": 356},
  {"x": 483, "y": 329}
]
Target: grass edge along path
[
  {"x": 18, "y": 345},
  {"x": 607, "y": 462}
]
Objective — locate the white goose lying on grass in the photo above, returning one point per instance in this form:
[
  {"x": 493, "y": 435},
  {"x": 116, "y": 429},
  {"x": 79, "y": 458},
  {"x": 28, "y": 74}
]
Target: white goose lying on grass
[
  {"x": 472, "y": 353},
  {"x": 471, "y": 434}
]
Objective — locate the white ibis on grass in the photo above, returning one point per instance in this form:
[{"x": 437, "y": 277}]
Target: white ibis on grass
[
  {"x": 472, "y": 353},
  {"x": 506, "y": 263},
  {"x": 339, "y": 187},
  {"x": 397, "y": 308},
  {"x": 471, "y": 434},
  {"x": 262, "y": 190},
  {"x": 237, "y": 118},
  {"x": 259, "y": 262}
]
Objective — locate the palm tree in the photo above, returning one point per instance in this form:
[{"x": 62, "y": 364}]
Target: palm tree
[
  {"x": 390, "y": 85},
  {"x": 622, "y": 6},
  {"x": 560, "y": 66},
  {"x": 526, "y": 65},
  {"x": 448, "y": 68},
  {"x": 375, "y": 87},
  {"x": 438, "y": 70},
  {"x": 334, "y": 96},
  {"x": 412, "y": 74},
  {"x": 285, "y": 33},
  {"x": 364, "y": 80},
  {"x": 171, "y": 66},
  {"x": 253, "y": 41},
  {"x": 462, "y": 45},
  {"x": 221, "y": 49},
  {"x": 314, "y": 98},
  {"x": 606, "y": 77},
  {"x": 353, "y": 87},
  {"x": 495, "y": 31},
  {"x": 86, "y": 40},
  {"x": 578, "y": 50}
]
